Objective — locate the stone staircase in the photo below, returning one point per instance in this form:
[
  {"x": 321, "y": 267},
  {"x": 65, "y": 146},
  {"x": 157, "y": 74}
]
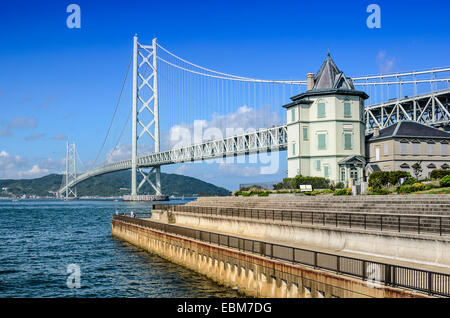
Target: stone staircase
[{"x": 426, "y": 205}]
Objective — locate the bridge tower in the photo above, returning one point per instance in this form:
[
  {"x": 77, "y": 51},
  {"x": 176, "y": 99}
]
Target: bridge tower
[
  {"x": 145, "y": 104},
  {"x": 71, "y": 169}
]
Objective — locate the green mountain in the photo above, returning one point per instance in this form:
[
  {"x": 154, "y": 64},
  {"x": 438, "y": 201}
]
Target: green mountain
[{"x": 112, "y": 184}]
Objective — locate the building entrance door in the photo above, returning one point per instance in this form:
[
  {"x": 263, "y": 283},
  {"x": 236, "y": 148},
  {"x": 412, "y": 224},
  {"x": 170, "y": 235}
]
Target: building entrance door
[{"x": 354, "y": 175}]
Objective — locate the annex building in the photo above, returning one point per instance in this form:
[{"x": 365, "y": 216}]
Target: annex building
[{"x": 326, "y": 134}]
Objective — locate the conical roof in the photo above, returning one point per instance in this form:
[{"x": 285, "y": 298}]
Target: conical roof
[{"x": 330, "y": 77}]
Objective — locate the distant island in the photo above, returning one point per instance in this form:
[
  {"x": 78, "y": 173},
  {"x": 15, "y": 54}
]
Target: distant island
[{"x": 109, "y": 185}]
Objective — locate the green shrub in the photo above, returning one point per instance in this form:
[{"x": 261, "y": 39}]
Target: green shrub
[
  {"x": 419, "y": 186},
  {"x": 315, "y": 182},
  {"x": 246, "y": 194},
  {"x": 410, "y": 181},
  {"x": 294, "y": 183},
  {"x": 327, "y": 191},
  {"x": 237, "y": 193},
  {"x": 395, "y": 176},
  {"x": 278, "y": 186},
  {"x": 379, "y": 179},
  {"x": 439, "y": 173},
  {"x": 445, "y": 181},
  {"x": 263, "y": 194},
  {"x": 340, "y": 185},
  {"x": 405, "y": 189},
  {"x": 343, "y": 192}
]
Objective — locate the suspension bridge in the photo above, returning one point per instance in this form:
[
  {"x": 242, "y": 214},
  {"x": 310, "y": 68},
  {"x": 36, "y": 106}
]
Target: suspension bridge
[{"x": 237, "y": 115}]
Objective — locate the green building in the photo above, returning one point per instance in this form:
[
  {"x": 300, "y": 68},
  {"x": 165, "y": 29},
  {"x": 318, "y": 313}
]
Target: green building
[{"x": 326, "y": 127}]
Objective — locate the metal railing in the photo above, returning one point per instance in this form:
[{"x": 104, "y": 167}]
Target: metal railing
[
  {"x": 401, "y": 223},
  {"x": 429, "y": 282}
]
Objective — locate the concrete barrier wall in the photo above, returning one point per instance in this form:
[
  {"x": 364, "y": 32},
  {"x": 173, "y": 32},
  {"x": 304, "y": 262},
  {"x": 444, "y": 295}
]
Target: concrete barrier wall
[
  {"x": 432, "y": 249},
  {"x": 252, "y": 275}
]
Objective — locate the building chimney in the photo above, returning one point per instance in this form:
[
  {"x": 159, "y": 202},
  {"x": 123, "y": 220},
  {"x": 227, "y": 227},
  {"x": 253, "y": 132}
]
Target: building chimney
[
  {"x": 376, "y": 131},
  {"x": 309, "y": 81}
]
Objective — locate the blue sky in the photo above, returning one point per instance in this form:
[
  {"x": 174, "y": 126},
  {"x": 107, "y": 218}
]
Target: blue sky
[{"x": 58, "y": 83}]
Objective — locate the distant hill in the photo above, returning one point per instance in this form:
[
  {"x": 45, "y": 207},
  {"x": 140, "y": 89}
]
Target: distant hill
[{"x": 111, "y": 184}]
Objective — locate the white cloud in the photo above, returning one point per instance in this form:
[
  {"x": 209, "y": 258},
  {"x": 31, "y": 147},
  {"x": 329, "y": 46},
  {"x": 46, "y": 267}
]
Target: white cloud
[
  {"x": 5, "y": 133},
  {"x": 24, "y": 122},
  {"x": 121, "y": 152},
  {"x": 243, "y": 119},
  {"x": 52, "y": 164},
  {"x": 59, "y": 137},
  {"x": 35, "y": 137},
  {"x": 385, "y": 63},
  {"x": 34, "y": 172},
  {"x": 9, "y": 164},
  {"x": 16, "y": 167},
  {"x": 18, "y": 123}
]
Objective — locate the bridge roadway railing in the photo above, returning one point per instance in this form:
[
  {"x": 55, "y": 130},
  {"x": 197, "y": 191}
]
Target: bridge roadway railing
[
  {"x": 401, "y": 223},
  {"x": 433, "y": 283},
  {"x": 431, "y": 109},
  {"x": 257, "y": 141},
  {"x": 262, "y": 140}
]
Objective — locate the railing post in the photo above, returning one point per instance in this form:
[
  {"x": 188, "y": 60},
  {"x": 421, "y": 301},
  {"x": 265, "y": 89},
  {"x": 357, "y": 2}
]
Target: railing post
[
  {"x": 394, "y": 275},
  {"x": 338, "y": 264},
  {"x": 364, "y": 270},
  {"x": 430, "y": 283},
  {"x": 381, "y": 223},
  {"x": 399, "y": 223},
  {"x": 336, "y": 219},
  {"x": 387, "y": 275},
  {"x": 323, "y": 218},
  {"x": 315, "y": 259},
  {"x": 365, "y": 222},
  {"x": 440, "y": 225},
  {"x": 350, "y": 219}
]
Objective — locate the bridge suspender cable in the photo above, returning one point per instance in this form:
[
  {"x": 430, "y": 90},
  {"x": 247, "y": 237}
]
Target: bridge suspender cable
[
  {"x": 226, "y": 76},
  {"x": 115, "y": 111}
]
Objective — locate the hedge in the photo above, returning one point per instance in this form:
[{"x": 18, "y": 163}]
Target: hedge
[
  {"x": 439, "y": 173},
  {"x": 294, "y": 183},
  {"x": 381, "y": 179},
  {"x": 445, "y": 181}
]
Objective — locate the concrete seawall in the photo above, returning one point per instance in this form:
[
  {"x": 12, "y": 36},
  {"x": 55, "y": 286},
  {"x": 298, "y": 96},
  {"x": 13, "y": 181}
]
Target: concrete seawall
[
  {"x": 251, "y": 274},
  {"x": 422, "y": 248}
]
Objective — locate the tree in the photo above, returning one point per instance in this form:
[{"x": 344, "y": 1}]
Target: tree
[{"x": 417, "y": 169}]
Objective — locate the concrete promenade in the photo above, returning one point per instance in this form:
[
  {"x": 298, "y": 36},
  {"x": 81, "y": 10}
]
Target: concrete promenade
[
  {"x": 251, "y": 274},
  {"x": 412, "y": 248}
]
